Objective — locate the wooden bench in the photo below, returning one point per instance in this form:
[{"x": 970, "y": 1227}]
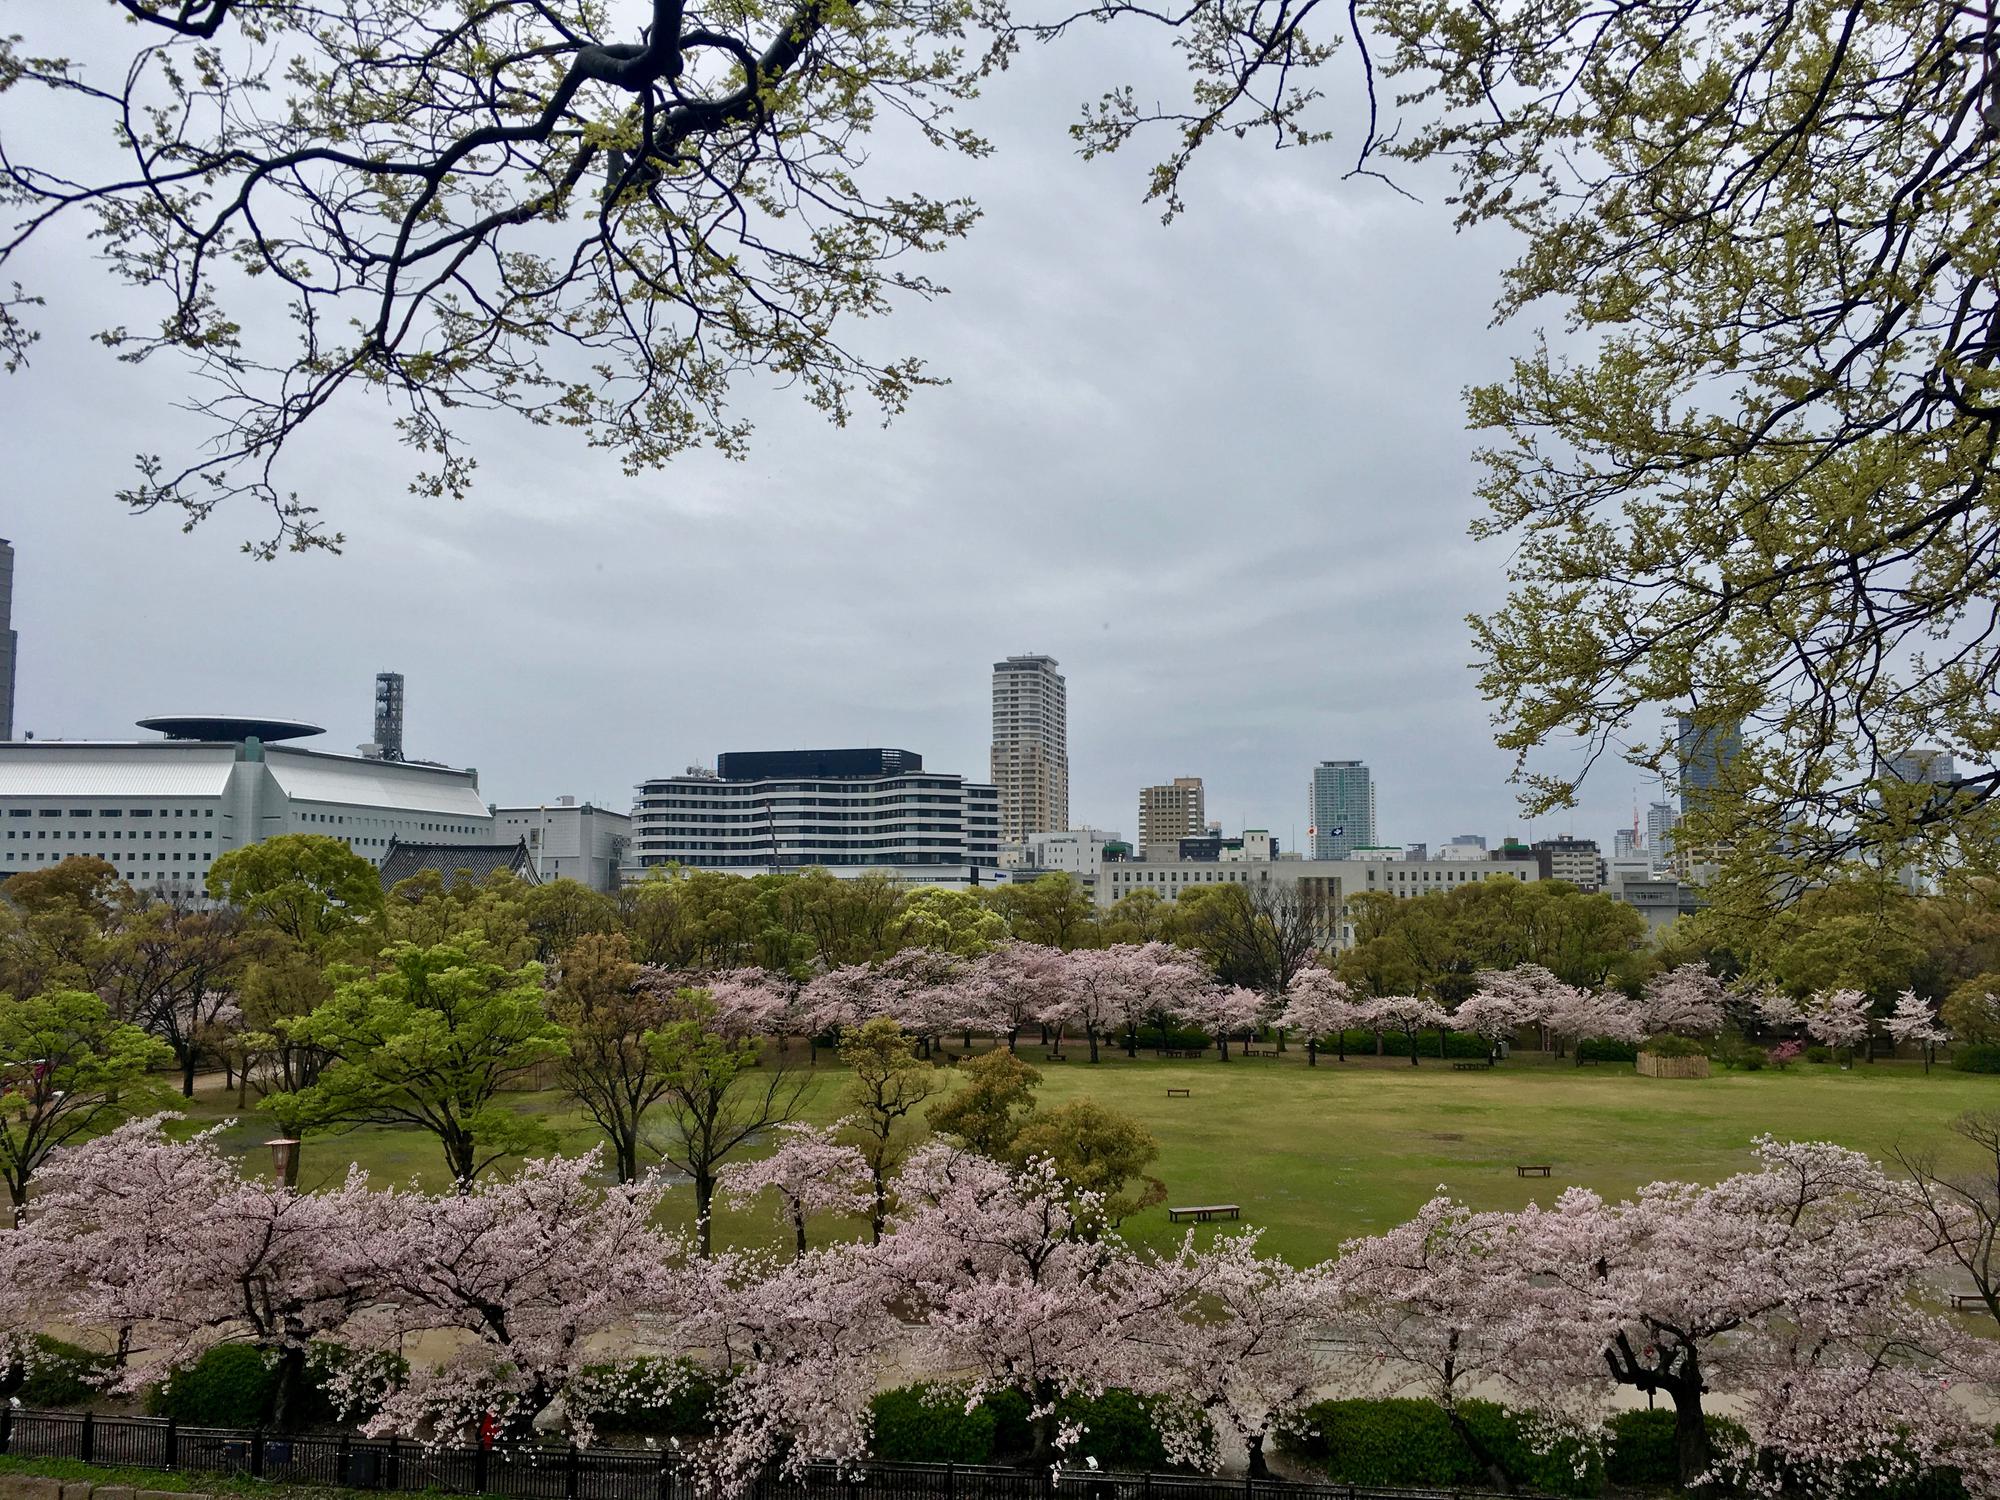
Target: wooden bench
[
  {"x": 1058, "y": 1057},
  {"x": 1471, "y": 1067},
  {"x": 1202, "y": 1213},
  {"x": 1968, "y": 1302},
  {"x": 1531, "y": 1171},
  {"x": 1178, "y": 1094}
]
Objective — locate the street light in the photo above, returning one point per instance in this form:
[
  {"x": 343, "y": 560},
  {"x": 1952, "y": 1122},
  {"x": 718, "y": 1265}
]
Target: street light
[{"x": 285, "y": 1160}]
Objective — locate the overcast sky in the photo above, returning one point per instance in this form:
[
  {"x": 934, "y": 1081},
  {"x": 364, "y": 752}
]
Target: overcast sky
[{"x": 1218, "y": 469}]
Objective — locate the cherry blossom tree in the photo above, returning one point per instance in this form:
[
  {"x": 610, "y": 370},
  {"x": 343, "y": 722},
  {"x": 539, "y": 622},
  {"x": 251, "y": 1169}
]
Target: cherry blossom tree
[
  {"x": 1531, "y": 989},
  {"x": 1914, "y": 1021},
  {"x": 1014, "y": 983},
  {"x": 812, "y": 1172},
  {"x": 1408, "y": 1014},
  {"x": 1148, "y": 980},
  {"x": 1779, "y": 1011},
  {"x": 1220, "y": 1011},
  {"x": 1319, "y": 1003},
  {"x": 1802, "y": 1268},
  {"x": 751, "y": 1002},
  {"x": 528, "y": 1271},
  {"x": 143, "y": 1233},
  {"x": 1839, "y": 1019},
  {"x": 1420, "y": 1300},
  {"x": 839, "y": 999},
  {"x": 1491, "y": 1015},
  {"x": 1013, "y": 1280},
  {"x": 1684, "y": 1001},
  {"x": 1574, "y": 1016},
  {"x": 1234, "y": 1340},
  {"x": 803, "y": 1345}
]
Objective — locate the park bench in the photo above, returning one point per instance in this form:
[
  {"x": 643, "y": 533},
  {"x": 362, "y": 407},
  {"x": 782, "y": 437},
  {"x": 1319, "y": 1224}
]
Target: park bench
[
  {"x": 1968, "y": 1302},
  {"x": 1531, "y": 1171},
  {"x": 1178, "y": 1094},
  {"x": 1471, "y": 1067},
  {"x": 1202, "y": 1213},
  {"x": 1058, "y": 1057}
]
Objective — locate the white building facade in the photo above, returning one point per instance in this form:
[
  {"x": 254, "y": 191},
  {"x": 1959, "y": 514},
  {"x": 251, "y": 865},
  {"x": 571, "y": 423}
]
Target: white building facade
[
  {"x": 850, "y": 812},
  {"x": 162, "y": 811},
  {"x": 568, "y": 840},
  {"x": 1332, "y": 882}
]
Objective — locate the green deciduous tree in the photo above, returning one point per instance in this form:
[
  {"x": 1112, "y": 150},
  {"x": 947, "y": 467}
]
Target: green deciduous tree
[
  {"x": 1097, "y": 1150},
  {"x": 889, "y": 1083},
  {"x": 68, "y": 1071},
  {"x": 311, "y": 888},
  {"x": 996, "y": 1092},
  {"x": 429, "y": 1043},
  {"x": 1759, "y": 488},
  {"x": 612, "y": 1070},
  {"x": 719, "y": 1096}
]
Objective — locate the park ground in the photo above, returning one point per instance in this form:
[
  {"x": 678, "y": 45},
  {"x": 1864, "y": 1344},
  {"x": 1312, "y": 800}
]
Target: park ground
[{"x": 1316, "y": 1155}]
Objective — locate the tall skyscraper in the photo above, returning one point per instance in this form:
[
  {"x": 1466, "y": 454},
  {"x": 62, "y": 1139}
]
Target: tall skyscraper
[
  {"x": 1703, "y": 750},
  {"x": 1171, "y": 812},
  {"x": 7, "y": 639},
  {"x": 1660, "y": 820},
  {"x": 1342, "y": 808},
  {"x": 1932, "y": 766},
  {"x": 1030, "y": 761}
]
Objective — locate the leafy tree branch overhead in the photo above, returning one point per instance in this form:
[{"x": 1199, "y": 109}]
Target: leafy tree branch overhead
[{"x": 1753, "y": 482}]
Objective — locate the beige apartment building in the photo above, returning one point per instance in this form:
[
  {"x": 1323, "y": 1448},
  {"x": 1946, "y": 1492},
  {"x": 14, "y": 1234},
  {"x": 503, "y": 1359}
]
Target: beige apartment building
[
  {"x": 1030, "y": 762},
  {"x": 1170, "y": 813}
]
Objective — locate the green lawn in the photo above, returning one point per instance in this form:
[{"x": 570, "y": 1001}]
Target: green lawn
[{"x": 1315, "y": 1155}]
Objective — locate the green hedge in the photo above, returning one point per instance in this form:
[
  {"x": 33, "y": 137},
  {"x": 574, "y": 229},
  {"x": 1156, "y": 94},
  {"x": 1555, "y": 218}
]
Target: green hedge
[
  {"x": 229, "y": 1386},
  {"x": 1668, "y": 1045},
  {"x": 232, "y": 1385},
  {"x": 1642, "y": 1446},
  {"x": 1978, "y": 1057},
  {"x": 1597, "y": 1049},
  {"x": 1178, "y": 1041},
  {"x": 658, "y": 1398},
  {"x": 1459, "y": 1044},
  {"x": 1120, "y": 1430},
  {"x": 1396, "y": 1442},
  {"x": 928, "y": 1424},
  {"x": 58, "y": 1375}
]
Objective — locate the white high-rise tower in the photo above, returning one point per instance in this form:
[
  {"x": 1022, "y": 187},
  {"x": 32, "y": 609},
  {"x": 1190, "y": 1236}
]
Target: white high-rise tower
[{"x": 1030, "y": 761}]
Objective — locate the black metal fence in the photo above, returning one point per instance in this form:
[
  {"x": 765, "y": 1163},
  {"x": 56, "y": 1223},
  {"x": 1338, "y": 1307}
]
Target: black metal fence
[{"x": 549, "y": 1473}]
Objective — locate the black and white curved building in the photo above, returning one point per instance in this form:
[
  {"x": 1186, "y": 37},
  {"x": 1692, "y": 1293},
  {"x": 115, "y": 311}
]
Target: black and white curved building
[{"x": 850, "y": 812}]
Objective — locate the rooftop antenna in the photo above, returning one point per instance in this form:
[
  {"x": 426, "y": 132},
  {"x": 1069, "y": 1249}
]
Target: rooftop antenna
[{"x": 389, "y": 715}]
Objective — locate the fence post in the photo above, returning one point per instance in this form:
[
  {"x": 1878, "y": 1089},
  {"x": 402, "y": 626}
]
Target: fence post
[
  {"x": 1146, "y": 1484},
  {"x": 173, "y": 1444},
  {"x": 343, "y": 1459},
  {"x": 6, "y": 1426},
  {"x": 87, "y": 1444},
  {"x": 951, "y": 1480},
  {"x": 479, "y": 1467},
  {"x": 395, "y": 1465},
  {"x": 1049, "y": 1482},
  {"x": 570, "y": 1475},
  {"x": 257, "y": 1453}
]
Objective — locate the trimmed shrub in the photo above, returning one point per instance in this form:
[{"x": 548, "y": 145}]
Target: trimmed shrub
[
  {"x": 1752, "y": 1060},
  {"x": 1819, "y": 1054},
  {"x": 1980, "y": 1057},
  {"x": 928, "y": 1424},
  {"x": 1396, "y": 1442},
  {"x": 1012, "y": 1431},
  {"x": 1598, "y": 1049},
  {"x": 1642, "y": 1446},
  {"x": 1176, "y": 1041},
  {"x": 58, "y": 1374},
  {"x": 1457, "y": 1044},
  {"x": 656, "y": 1398},
  {"x": 1119, "y": 1429},
  {"x": 229, "y": 1386}
]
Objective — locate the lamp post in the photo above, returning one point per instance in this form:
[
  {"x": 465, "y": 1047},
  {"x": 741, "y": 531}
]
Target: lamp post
[{"x": 285, "y": 1160}]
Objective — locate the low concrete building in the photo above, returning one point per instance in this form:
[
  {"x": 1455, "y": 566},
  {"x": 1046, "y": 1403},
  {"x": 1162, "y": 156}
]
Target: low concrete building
[
  {"x": 459, "y": 863},
  {"x": 569, "y": 840}
]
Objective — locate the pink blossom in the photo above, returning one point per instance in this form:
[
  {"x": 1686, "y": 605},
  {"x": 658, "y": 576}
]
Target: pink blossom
[
  {"x": 812, "y": 1172},
  {"x": 1685, "y": 1001}
]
